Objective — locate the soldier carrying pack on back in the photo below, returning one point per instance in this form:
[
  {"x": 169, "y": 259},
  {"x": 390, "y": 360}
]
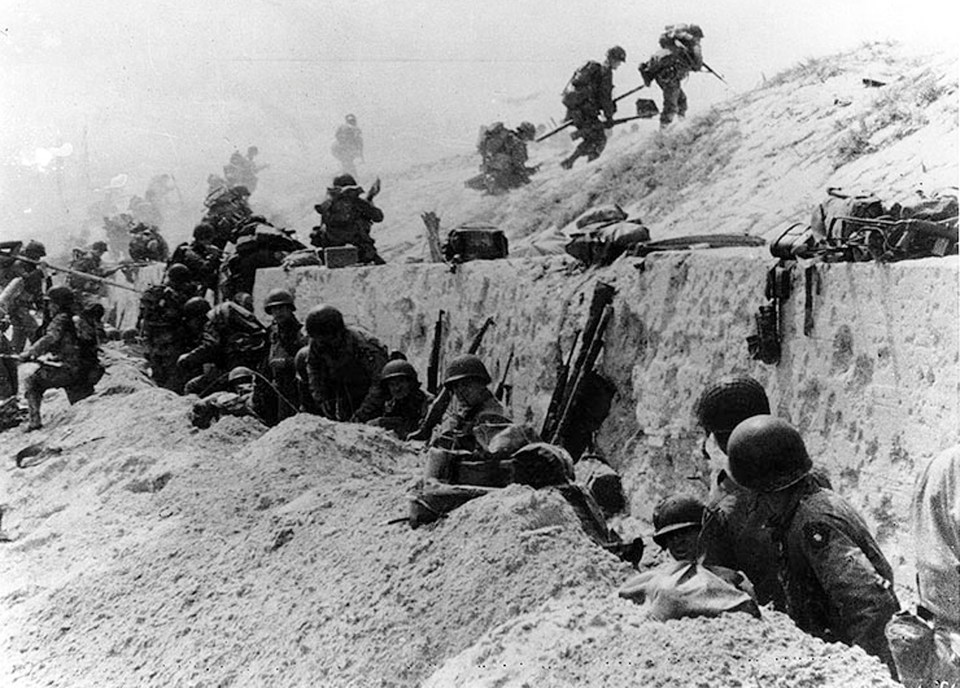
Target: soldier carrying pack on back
[
  {"x": 588, "y": 94},
  {"x": 679, "y": 54},
  {"x": 504, "y": 158},
  {"x": 347, "y": 216}
]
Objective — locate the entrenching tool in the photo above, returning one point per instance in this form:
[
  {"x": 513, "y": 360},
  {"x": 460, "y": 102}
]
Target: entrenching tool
[{"x": 567, "y": 123}]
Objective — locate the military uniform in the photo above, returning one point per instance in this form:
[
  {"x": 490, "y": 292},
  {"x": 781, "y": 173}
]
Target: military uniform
[
  {"x": 504, "y": 159},
  {"x": 62, "y": 344},
  {"x": 461, "y": 421},
  {"x": 348, "y": 146},
  {"x": 203, "y": 261},
  {"x": 232, "y": 337},
  {"x": 344, "y": 383},
  {"x": 146, "y": 244},
  {"x": 402, "y": 415},
  {"x": 161, "y": 325},
  {"x": 88, "y": 350},
  {"x": 285, "y": 340},
  {"x": 87, "y": 262},
  {"x": 837, "y": 583},
  {"x": 589, "y": 94},
  {"x": 347, "y": 219},
  {"x": 680, "y": 53},
  {"x": 214, "y": 406}
]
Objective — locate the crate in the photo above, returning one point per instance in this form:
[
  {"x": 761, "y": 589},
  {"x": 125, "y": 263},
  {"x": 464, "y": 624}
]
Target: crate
[{"x": 341, "y": 256}]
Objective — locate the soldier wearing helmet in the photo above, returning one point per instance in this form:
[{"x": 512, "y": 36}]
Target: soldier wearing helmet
[
  {"x": 60, "y": 345},
  {"x": 503, "y": 158},
  {"x": 680, "y": 53},
  {"x": 21, "y": 290},
  {"x": 348, "y": 145},
  {"x": 236, "y": 400},
  {"x": 347, "y": 217},
  {"x": 474, "y": 405},
  {"x": 733, "y": 535},
  {"x": 89, "y": 263},
  {"x": 402, "y": 403},
  {"x": 588, "y": 94},
  {"x": 161, "y": 322},
  {"x": 837, "y": 583},
  {"x": 201, "y": 257},
  {"x": 232, "y": 336},
  {"x": 285, "y": 338},
  {"x": 342, "y": 366},
  {"x": 676, "y": 523}
]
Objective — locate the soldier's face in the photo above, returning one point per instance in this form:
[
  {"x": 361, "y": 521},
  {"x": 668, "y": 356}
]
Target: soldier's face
[
  {"x": 399, "y": 387},
  {"x": 469, "y": 392},
  {"x": 683, "y": 544},
  {"x": 281, "y": 313}
]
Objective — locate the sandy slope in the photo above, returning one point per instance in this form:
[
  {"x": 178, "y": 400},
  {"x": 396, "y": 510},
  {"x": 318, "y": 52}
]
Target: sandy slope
[
  {"x": 148, "y": 553},
  {"x": 749, "y": 165}
]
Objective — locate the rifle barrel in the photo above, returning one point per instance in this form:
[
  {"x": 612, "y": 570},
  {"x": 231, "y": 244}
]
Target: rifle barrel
[{"x": 77, "y": 273}]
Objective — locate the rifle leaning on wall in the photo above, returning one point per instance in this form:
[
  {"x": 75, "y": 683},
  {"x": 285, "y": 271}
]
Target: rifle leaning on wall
[
  {"x": 433, "y": 367},
  {"x": 439, "y": 405},
  {"x": 503, "y": 389}
]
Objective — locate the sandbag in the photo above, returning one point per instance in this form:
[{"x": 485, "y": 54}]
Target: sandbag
[
  {"x": 677, "y": 590},
  {"x": 826, "y": 223},
  {"x": 540, "y": 464},
  {"x": 601, "y": 214},
  {"x": 605, "y": 243},
  {"x": 433, "y": 500}
]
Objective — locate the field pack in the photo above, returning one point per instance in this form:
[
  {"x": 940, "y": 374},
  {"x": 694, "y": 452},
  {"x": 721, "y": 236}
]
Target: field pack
[{"x": 475, "y": 242}]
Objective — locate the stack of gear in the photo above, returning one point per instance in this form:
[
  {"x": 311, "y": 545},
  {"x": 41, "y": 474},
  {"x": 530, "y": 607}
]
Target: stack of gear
[
  {"x": 604, "y": 234},
  {"x": 474, "y": 242}
]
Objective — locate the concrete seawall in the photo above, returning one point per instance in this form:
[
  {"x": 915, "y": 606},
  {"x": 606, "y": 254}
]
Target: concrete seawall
[{"x": 873, "y": 387}]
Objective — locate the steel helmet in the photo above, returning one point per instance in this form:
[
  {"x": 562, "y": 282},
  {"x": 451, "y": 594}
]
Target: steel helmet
[
  {"x": 62, "y": 296},
  {"x": 278, "y": 297},
  {"x": 399, "y": 368},
  {"x": 323, "y": 320},
  {"x": 177, "y": 273},
  {"x": 239, "y": 374},
  {"x": 466, "y": 367},
  {"x": 99, "y": 246},
  {"x": 526, "y": 130},
  {"x": 342, "y": 180},
  {"x": 727, "y": 402},
  {"x": 767, "y": 454},
  {"x": 675, "y": 513},
  {"x": 34, "y": 249},
  {"x": 196, "y": 307},
  {"x": 617, "y": 53},
  {"x": 244, "y": 300},
  {"x": 351, "y": 119},
  {"x": 203, "y": 232}
]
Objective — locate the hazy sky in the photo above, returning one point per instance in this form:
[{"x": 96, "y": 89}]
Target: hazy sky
[{"x": 140, "y": 88}]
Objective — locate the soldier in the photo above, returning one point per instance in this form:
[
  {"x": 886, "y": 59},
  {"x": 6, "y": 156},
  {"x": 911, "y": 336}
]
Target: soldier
[
  {"x": 258, "y": 245},
  {"x": 676, "y": 522},
  {"x": 475, "y": 405},
  {"x": 733, "y": 533},
  {"x": 286, "y": 338},
  {"x": 201, "y": 258},
  {"x": 23, "y": 293},
  {"x": 348, "y": 145},
  {"x": 161, "y": 323},
  {"x": 402, "y": 403},
  {"x": 503, "y": 152},
  {"x": 347, "y": 218},
  {"x": 90, "y": 332},
  {"x": 936, "y": 528},
  {"x": 837, "y": 583},
  {"x": 343, "y": 366},
  {"x": 146, "y": 244},
  {"x": 61, "y": 343},
  {"x": 90, "y": 263},
  {"x": 228, "y": 210},
  {"x": 232, "y": 336},
  {"x": 588, "y": 93},
  {"x": 679, "y": 54},
  {"x": 237, "y": 400}
]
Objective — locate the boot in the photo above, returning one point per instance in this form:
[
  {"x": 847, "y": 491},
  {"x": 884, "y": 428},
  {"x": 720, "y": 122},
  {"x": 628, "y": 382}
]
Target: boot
[{"x": 33, "y": 413}]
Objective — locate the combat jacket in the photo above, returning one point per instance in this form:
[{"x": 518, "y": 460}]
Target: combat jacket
[
  {"x": 346, "y": 217},
  {"x": 61, "y": 341},
  {"x": 936, "y": 522},
  {"x": 202, "y": 260},
  {"x": 402, "y": 415},
  {"x": 838, "y": 584},
  {"x": 734, "y": 536},
  {"x": 460, "y": 420},
  {"x": 232, "y": 336},
  {"x": 344, "y": 381},
  {"x": 284, "y": 343}
]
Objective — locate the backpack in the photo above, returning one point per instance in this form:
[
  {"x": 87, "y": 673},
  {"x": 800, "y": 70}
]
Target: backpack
[
  {"x": 604, "y": 243},
  {"x": 826, "y": 223},
  {"x": 579, "y": 89},
  {"x": 475, "y": 242},
  {"x": 156, "y": 308}
]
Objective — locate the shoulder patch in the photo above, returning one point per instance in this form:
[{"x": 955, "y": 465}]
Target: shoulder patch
[{"x": 816, "y": 535}]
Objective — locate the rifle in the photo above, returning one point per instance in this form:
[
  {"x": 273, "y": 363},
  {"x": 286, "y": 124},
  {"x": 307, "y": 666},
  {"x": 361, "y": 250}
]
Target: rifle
[
  {"x": 582, "y": 372},
  {"x": 711, "y": 70},
  {"x": 567, "y": 123},
  {"x": 439, "y": 405},
  {"x": 433, "y": 367},
  {"x": 563, "y": 372},
  {"x": 41, "y": 361},
  {"x": 609, "y": 124},
  {"x": 84, "y": 275},
  {"x": 502, "y": 386}
]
